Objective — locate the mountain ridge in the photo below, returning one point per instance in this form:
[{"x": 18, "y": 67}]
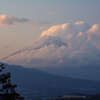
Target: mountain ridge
[
  {"x": 42, "y": 41},
  {"x": 33, "y": 83}
]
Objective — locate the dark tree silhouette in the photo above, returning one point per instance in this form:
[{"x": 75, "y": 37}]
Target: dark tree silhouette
[{"x": 7, "y": 90}]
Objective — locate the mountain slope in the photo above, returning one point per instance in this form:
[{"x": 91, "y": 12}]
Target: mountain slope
[
  {"x": 40, "y": 43},
  {"x": 33, "y": 83},
  {"x": 65, "y": 44},
  {"x": 62, "y": 47}
]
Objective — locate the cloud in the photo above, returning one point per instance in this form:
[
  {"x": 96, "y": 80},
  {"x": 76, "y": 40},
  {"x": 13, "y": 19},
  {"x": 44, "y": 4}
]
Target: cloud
[
  {"x": 94, "y": 35},
  {"x": 31, "y": 25},
  {"x": 67, "y": 30},
  {"x": 5, "y": 20},
  {"x": 51, "y": 13},
  {"x": 43, "y": 23},
  {"x": 49, "y": 50},
  {"x": 94, "y": 30},
  {"x": 80, "y": 34}
]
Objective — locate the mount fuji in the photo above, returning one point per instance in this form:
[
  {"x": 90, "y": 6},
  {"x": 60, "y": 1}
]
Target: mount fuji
[
  {"x": 62, "y": 47},
  {"x": 45, "y": 41}
]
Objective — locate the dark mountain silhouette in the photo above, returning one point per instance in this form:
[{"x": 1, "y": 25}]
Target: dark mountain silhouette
[
  {"x": 33, "y": 83},
  {"x": 81, "y": 72}
]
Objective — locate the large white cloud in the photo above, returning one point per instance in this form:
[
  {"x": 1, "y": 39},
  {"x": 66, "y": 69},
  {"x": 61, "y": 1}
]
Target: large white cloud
[
  {"x": 5, "y": 20},
  {"x": 66, "y": 29},
  {"x": 81, "y": 47},
  {"x": 94, "y": 35}
]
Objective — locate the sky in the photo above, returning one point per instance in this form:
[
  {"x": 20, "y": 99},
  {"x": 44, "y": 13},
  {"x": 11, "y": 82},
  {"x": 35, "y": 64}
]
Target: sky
[{"x": 23, "y": 21}]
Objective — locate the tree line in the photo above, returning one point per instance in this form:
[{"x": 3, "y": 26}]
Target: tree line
[{"x": 7, "y": 90}]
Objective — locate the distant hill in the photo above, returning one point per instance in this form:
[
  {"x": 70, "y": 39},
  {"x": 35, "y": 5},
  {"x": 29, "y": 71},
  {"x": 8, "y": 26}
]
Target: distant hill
[
  {"x": 85, "y": 72},
  {"x": 33, "y": 83}
]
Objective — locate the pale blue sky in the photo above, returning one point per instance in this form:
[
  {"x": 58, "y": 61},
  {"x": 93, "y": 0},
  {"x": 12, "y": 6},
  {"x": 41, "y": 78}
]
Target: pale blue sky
[{"x": 54, "y": 12}]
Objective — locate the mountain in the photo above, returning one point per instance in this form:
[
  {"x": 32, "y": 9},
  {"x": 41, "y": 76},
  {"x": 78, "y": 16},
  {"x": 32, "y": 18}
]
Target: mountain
[
  {"x": 33, "y": 83},
  {"x": 63, "y": 49},
  {"x": 40, "y": 43},
  {"x": 82, "y": 72}
]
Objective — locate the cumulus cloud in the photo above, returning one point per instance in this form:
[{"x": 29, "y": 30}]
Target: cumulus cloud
[
  {"x": 94, "y": 30},
  {"x": 5, "y": 20},
  {"x": 43, "y": 23},
  {"x": 67, "y": 31},
  {"x": 62, "y": 45},
  {"x": 94, "y": 35}
]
